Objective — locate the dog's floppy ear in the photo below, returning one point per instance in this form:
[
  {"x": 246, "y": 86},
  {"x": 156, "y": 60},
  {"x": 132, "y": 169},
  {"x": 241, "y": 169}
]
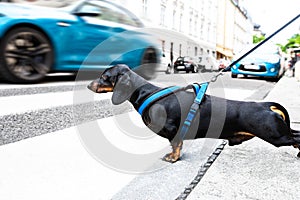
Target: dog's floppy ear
[{"x": 122, "y": 89}]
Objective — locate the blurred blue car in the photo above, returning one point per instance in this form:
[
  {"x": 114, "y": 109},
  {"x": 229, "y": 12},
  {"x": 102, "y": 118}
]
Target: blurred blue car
[
  {"x": 88, "y": 35},
  {"x": 263, "y": 62}
]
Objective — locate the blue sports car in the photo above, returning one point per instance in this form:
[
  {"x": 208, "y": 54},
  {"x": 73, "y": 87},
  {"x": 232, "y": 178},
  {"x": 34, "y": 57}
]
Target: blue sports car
[
  {"x": 263, "y": 62},
  {"x": 88, "y": 35}
]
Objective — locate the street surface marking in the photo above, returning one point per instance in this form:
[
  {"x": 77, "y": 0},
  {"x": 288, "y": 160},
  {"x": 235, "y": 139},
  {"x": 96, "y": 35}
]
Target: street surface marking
[{"x": 21, "y": 104}]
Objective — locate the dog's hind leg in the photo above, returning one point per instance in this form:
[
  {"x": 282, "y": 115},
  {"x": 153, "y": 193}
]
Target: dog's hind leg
[
  {"x": 296, "y": 136},
  {"x": 175, "y": 154},
  {"x": 297, "y": 146},
  {"x": 239, "y": 137}
]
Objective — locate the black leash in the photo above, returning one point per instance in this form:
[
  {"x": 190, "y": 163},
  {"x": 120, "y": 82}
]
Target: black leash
[{"x": 215, "y": 77}]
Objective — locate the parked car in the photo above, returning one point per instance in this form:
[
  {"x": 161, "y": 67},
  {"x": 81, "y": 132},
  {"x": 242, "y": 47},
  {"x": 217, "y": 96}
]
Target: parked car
[
  {"x": 185, "y": 63},
  {"x": 87, "y": 35},
  {"x": 207, "y": 63},
  {"x": 223, "y": 63},
  {"x": 263, "y": 62}
]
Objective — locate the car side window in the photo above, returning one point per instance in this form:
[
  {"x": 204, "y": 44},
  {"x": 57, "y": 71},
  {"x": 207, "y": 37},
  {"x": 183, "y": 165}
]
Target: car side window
[
  {"x": 90, "y": 8},
  {"x": 109, "y": 12}
]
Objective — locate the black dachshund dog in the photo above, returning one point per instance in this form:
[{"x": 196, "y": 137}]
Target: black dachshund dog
[{"x": 236, "y": 121}]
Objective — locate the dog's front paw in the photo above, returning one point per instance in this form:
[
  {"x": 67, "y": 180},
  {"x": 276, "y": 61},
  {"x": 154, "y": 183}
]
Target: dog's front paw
[{"x": 171, "y": 157}]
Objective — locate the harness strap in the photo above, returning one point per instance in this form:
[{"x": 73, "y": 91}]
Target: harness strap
[
  {"x": 154, "y": 97},
  {"x": 201, "y": 89}
]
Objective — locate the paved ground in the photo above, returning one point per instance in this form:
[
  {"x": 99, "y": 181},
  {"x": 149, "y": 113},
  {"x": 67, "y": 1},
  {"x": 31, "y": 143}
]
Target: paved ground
[
  {"x": 256, "y": 169},
  {"x": 57, "y": 166}
]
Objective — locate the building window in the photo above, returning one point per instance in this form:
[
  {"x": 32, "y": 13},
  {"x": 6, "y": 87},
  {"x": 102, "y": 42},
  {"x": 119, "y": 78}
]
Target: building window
[
  {"x": 162, "y": 14},
  {"x": 174, "y": 20},
  {"x": 180, "y": 49},
  {"x": 214, "y": 54},
  {"x": 190, "y": 26},
  {"x": 202, "y": 21},
  {"x": 145, "y": 7},
  {"x": 181, "y": 11},
  {"x": 191, "y": 22},
  {"x": 195, "y": 26},
  {"x": 180, "y": 22}
]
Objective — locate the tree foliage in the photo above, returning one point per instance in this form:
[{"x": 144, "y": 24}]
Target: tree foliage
[
  {"x": 257, "y": 39},
  {"x": 293, "y": 42}
]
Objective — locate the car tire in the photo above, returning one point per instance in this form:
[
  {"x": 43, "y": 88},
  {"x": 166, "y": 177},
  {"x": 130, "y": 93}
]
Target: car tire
[
  {"x": 26, "y": 55},
  {"x": 233, "y": 75},
  {"x": 203, "y": 69}
]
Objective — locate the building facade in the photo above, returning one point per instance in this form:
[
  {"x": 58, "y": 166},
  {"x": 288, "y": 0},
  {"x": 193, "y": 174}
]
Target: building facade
[
  {"x": 197, "y": 27},
  {"x": 184, "y": 27},
  {"x": 234, "y": 30}
]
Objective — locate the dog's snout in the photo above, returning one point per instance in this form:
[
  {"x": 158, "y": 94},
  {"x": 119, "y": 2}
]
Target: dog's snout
[
  {"x": 89, "y": 86},
  {"x": 100, "y": 86},
  {"x": 93, "y": 86}
]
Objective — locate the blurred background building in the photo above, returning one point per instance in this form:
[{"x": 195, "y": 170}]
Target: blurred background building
[
  {"x": 188, "y": 27},
  {"x": 217, "y": 28}
]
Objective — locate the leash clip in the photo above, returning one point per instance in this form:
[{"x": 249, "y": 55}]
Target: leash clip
[{"x": 215, "y": 77}]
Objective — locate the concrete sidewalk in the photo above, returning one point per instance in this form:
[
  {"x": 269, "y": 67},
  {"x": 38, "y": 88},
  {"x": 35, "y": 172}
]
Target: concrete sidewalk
[{"x": 256, "y": 169}]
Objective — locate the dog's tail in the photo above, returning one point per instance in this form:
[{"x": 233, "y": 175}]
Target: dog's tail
[
  {"x": 285, "y": 116},
  {"x": 296, "y": 132},
  {"x": 283, "y": 113}
]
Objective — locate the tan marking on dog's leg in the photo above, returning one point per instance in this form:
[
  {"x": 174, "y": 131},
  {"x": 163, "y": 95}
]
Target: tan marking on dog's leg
[
  {"x": 275, "y": 109},
  {"x": 239, "y": 138},
  {"x": 175, "y": 154}
]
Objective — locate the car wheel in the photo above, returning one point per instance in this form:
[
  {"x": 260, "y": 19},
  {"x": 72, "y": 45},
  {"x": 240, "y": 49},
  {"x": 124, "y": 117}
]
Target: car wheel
[
  {"x": 26, "y": 55},
  {"x": 203, "y": 70},
  {"x": 233, "y": 75},
  {"x": 149, "y": 64}
]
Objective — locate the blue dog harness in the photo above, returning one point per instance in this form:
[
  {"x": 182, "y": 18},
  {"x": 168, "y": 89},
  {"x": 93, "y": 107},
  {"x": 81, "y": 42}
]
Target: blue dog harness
[
  {"x": 199, "y": 90},
  {"x": 154, "y": 97}
]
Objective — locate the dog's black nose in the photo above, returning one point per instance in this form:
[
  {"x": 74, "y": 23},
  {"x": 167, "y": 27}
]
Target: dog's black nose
[
  {"x": 89, "y": 86},
  {"x": 92, "y": 86}
]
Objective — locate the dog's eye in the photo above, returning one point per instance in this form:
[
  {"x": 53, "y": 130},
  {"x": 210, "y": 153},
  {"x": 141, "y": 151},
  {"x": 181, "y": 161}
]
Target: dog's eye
[{"x": 104, "y": 77}]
